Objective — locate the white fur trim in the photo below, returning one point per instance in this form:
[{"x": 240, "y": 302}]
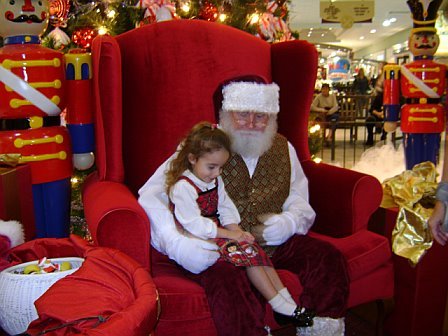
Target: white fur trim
[
  {"x": 13, "y": 230},
  {"x": 254, "y": 97},
  {"x": 324, "y": 326}
]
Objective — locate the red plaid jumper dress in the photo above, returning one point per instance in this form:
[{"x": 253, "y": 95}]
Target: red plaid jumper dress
[{"x": 237, "y": 253}]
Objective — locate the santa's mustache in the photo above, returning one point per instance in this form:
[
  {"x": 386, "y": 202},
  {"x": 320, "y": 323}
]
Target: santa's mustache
[{"x": 27, "y": 18}]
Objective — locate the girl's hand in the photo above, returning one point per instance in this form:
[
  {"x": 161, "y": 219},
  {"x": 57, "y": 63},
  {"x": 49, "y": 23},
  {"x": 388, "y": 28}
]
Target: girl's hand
[
  {"x": 237, "y": 235},
  {"x": 248, "y": 237},
  {"x": 233, "y": 231},
  {"x": 240, "y": 236}
]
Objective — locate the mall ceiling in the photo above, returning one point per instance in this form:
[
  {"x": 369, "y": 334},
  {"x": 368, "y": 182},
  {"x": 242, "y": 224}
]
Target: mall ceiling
[{"x": 305, "y": 18}]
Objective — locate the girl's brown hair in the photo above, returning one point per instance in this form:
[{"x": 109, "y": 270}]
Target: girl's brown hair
[{"x": 203, "y": 138}]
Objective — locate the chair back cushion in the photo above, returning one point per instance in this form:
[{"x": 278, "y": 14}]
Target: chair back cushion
[{"x": 168, "y": 74}]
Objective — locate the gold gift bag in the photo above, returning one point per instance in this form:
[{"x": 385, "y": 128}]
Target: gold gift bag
[{"x": 413, "y": 191}]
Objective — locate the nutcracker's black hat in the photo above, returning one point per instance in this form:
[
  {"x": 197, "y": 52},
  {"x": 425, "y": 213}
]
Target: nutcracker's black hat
[{"x": 424, "y": 14}]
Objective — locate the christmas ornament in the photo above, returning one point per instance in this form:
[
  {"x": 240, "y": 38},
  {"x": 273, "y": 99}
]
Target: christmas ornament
[
  {"x": 59, "y": 12},
  {"x": 208, "y": 12},
  {"x": 273, "y": 28},
  {"x": 60, "y": 38},
  {"x": 83, "y": 37},
  {"x": 158, "y": 10}
]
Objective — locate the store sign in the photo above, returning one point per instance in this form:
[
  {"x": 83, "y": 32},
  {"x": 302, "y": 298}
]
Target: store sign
[
  {"x": 339, "y": 69},
  {"x": 347, "y": 12}
]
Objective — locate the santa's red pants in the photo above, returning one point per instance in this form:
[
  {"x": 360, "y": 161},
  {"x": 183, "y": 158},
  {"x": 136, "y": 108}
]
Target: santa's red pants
[{"x": 238, "y": 309}]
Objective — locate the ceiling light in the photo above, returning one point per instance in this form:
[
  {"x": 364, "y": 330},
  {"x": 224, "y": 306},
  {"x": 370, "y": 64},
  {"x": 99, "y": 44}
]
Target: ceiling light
[
  {"x": 386, "y": 23},
  {"x": 361, "y": 37},
  {"x": 392, "y": 20},
  {"x": 372, "y": 31}
]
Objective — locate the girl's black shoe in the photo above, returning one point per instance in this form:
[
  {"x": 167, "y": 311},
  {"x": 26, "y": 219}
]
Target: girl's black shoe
[{"x": 301, "y": 317}]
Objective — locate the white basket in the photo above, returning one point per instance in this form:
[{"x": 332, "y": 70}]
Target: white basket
[{"x": 19, "y": 291}]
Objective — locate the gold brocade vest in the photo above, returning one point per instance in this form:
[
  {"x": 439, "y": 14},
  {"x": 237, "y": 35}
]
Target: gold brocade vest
[{"x": 268, "y": 188}]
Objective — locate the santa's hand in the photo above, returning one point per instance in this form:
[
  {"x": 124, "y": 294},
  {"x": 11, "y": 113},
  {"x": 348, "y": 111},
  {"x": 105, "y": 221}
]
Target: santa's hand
[
  {"x": 257, "y": 232},
  {"x": 278, "y": 229},
  {"x": 196, "y": 255}
]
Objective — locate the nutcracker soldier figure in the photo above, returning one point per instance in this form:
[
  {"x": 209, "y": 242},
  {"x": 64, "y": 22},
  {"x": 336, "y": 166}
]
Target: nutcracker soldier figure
[
  {"x": 32, "y": 96},
  {"x": 421, "y": 83}
]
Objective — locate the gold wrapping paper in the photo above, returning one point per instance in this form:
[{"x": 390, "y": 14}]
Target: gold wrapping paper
[
  {"x": 413, "y": 191},
  {"x": 10, "y": 160}
]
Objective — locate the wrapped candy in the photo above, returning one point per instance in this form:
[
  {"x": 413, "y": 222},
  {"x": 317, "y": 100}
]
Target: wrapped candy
[
  {"x": 413, "y": 192},
  {"x": 45, "y": 265}
]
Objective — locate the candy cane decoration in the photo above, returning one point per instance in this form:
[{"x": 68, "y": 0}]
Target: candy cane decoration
[{"x": 59, "y": 12}]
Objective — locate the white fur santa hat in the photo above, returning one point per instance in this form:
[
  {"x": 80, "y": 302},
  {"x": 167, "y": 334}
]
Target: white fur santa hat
[
  {"x": 13, "y": 231},
  {"x": 251, "y": 96}
]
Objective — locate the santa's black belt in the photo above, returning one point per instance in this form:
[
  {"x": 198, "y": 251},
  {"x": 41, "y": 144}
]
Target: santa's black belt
[
  {"x": 421, "y": 100},
  {"x": 24, "y": 123}
]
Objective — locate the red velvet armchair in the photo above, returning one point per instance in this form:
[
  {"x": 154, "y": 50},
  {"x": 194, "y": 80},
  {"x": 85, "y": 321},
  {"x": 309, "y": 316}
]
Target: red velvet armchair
[{"x": 151, "y": 85}]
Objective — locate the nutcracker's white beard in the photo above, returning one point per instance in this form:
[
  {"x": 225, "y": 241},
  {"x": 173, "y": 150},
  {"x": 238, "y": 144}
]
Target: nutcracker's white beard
[{"x": 249, "y": 143}]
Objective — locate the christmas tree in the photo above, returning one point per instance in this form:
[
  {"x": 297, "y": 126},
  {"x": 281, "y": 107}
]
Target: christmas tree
[{"x": 74, "y": 23}]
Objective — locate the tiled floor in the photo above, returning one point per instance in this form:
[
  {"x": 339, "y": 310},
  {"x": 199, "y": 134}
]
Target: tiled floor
[{"x": 348, "y": 153}]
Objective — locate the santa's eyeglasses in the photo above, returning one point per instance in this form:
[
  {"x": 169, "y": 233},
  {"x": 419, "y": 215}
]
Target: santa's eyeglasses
[{"x": 251, "y": 118}]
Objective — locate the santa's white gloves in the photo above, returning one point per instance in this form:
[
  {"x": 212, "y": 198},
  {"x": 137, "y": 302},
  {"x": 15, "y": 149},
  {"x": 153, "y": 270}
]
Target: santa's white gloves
[
  {"x": 196, "y": 255},
  {"x": 278, "y": 229}
]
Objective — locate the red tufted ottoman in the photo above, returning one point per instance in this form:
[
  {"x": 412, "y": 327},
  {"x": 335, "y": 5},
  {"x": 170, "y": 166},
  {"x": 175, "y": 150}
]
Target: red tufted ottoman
[{"x": 111, "y": 294}]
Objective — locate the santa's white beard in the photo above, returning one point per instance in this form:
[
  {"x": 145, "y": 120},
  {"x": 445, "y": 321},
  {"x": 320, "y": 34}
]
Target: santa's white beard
[{"x": 249, "y": 143}]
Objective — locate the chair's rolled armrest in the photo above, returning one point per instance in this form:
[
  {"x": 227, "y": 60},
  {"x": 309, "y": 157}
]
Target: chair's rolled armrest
[
  {"x": 115, "y": 219},
  {"x": 343, "y": 199}
]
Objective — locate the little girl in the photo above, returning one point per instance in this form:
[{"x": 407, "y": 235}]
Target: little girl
[{"x": 203, "y": 209}]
